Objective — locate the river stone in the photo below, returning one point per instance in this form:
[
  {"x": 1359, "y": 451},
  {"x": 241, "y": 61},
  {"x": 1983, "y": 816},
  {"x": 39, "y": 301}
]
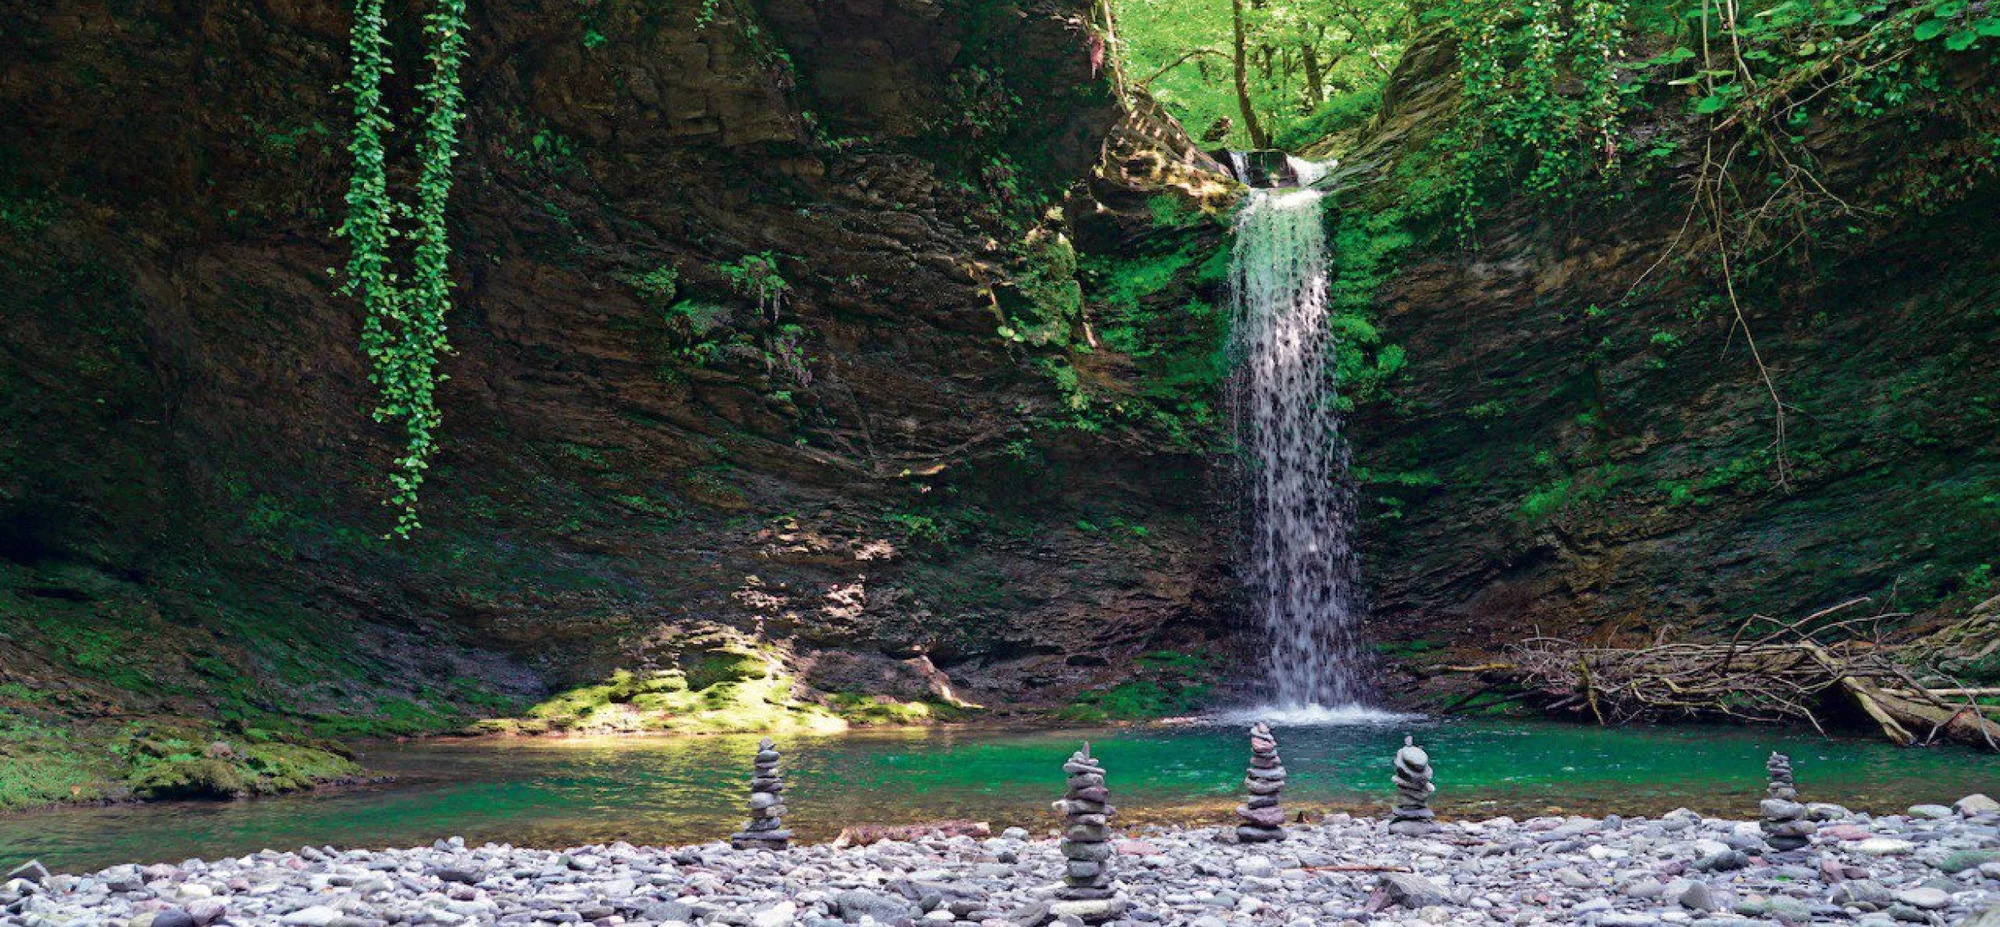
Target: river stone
[
  {"x": 1826, "y": 811},
  {"x": 207, "y": 911},
  {"x": 1692, "y": 894},
  {"x": 318, "y": 915},
  {"x": 855, "y": 903},
  {"x": 173, "y": 917},
  {"x": 1884, "y": 846},
  {"x": 1861, "y": 893},
  {"x": 1930, "y": 812},
  {"x": 1990, "y": 917},
  {"x": 1927, "y": 899},
  {"x": 1089, "y": 910},
  {"x": 1975, "y": 804},
  {"x": 1725, "y": 861},
  {"x": 1960, "y": 860},
  {"x": 1256, "y": 867},
  {"x": 1410, "y": 890}
]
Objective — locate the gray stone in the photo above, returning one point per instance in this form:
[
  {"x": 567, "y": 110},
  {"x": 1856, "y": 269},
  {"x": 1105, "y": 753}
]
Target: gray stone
[
  {"x": 1975, "y": 804},
  {"x": 1990, "y": 917},
  {"x": 1931, "y": 812},
  {"x": 856, "y": 903},
  {"x": 1410, "y": 890},
  {"x": 1928, "y": 899},
  {"x": 1724, "y": 861}
]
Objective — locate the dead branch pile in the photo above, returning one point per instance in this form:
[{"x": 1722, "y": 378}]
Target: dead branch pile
[{"x": 1796, "y": 671}]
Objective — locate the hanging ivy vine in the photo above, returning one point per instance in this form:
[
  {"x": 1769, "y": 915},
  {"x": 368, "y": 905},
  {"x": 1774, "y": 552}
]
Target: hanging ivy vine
[{"x": 403, "y": 331}]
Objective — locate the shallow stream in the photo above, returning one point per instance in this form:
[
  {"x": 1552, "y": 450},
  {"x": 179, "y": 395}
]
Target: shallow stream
[{"x": 564, "y": 792}]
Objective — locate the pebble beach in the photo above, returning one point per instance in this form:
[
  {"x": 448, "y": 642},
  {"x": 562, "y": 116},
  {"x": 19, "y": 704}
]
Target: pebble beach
[{"x": 1935, "y": 864}]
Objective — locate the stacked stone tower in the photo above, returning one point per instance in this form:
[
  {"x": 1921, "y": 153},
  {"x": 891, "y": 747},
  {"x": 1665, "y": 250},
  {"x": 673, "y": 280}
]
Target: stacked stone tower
[
  {"x": 766, "y": 827},
  {"x": 1785, "y": 825},
  {"x": 1412, "y": 815},
  {"x": 1263, "y": 817},
  {"x": 1087, "y": 891}
]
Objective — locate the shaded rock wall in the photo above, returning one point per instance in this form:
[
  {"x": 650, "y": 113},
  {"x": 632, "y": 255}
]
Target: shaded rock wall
[{"x": 868, "y": 467}]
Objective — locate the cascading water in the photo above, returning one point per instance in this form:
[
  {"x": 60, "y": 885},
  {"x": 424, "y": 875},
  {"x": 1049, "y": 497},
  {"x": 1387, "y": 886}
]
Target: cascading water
[{"x": 1302, "y": 569}]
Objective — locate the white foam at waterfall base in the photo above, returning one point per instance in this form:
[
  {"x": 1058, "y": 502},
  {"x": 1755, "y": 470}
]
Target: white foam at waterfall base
[
  {"x": 1302, "y": 572},
  {"x": 1350, "y": 715}
]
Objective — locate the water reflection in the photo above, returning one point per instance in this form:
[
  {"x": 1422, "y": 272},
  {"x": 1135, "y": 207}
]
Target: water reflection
[{"x": 680, "y": 790}]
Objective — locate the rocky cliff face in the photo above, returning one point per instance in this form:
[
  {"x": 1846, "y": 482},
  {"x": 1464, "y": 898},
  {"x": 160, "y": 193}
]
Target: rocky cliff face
[
  {"x": 1581, "y": 444},
  {"x": 636, "y": 448},
  {"x": 969, "y": 448}
]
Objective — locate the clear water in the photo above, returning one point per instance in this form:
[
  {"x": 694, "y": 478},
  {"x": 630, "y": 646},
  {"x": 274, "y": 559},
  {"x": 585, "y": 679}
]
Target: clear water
[
  {"x": 1304, "y": 578},
  {"x": 670, "y": 791}
]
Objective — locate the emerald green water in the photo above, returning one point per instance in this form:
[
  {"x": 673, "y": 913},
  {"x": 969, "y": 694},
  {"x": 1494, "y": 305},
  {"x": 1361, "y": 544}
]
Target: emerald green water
[{"x": 687, "y": 790}]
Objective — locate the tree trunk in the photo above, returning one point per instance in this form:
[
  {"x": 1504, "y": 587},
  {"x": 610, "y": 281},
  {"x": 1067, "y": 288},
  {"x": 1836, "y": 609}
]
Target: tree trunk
[
  {"x": 1250, "y": 124},
  {"x": 1315, "y": 81}
]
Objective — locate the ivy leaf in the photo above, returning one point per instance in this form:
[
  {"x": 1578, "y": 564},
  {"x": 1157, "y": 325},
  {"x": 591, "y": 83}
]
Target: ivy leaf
[
  {"x": 1989, "y": 27},
  {"x": 1848, "y": 18},
  {"x": 1712, "y": 103},
  {"x": 1961, "y": 40},
  {"x": 1930, "y": 29}
]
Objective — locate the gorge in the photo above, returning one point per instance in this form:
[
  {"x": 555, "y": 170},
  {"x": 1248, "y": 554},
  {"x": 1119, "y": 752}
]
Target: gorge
[{"x": 815, "y": 365}]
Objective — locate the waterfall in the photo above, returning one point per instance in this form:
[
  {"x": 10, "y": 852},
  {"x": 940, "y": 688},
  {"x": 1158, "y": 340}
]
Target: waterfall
[{"x": 1302, "y": 571}]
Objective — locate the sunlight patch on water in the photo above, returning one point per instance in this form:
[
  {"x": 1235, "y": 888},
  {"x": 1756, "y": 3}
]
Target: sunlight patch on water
[{"x": 1348, "y": 715}]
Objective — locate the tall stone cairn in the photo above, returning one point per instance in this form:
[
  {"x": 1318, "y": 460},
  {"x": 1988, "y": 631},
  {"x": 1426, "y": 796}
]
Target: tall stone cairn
[
  {"x": 1263, "y": 819},
  {"x": 766, "y": 827},
  {"x": 1785, "y": 825},
  {"x": 1087, "y": 890},
  {"x": 1412, "y": 815}
]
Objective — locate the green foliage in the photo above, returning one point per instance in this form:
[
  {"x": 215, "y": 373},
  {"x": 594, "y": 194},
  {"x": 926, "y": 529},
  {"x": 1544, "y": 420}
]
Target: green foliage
[
  {"x": 1540, "y": 94},
  {"x": 756, "y": 276},
  {"x": 403, "y": 333},
  {"x": 1314, "y": 66},
  {"x": 1044, "y": 302},
  {"x": 658, "y": 286}
]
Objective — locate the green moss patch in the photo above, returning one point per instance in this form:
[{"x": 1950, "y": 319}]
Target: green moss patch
[{"x": 1164, "y": 683}]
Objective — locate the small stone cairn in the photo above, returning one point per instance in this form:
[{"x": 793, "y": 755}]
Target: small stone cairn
[
  {"x": 1412, "y": 816},
  {"x": 1785, "y": 825},
  {"x": 766, "y": 827},
  {"x": 1087, "y": 891},
  {"x": 1263, "y": 819}
]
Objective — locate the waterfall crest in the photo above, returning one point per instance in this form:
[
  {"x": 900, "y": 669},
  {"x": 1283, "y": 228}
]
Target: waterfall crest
[{"x": 1302, "y": 570}]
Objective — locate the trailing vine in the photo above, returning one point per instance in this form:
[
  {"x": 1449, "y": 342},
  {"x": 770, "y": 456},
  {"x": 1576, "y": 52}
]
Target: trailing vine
[{"x": 403, "y": 332}]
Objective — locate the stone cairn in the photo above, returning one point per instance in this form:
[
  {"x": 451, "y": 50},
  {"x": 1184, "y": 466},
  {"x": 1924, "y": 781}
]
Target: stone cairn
[
  {"x": 1263, "y": 819},
  {"x": 766, "y": 827},
  {"x": 1087, "y": 891},
  {"x": 1785, "y": 825},
  {"x": 1412, "y": 816}
]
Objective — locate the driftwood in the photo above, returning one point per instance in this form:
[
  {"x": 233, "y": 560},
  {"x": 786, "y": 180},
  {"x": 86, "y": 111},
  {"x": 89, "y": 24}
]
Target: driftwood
[{"x": 1794, "y": 671}]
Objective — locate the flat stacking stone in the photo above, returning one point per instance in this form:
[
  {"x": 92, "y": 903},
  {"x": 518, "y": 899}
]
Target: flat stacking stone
[
  {"x": 1087, "y": 892},
  {"x": 1412, "y": 816},
  {"x": 766, "y": 828},
  {"x": 1263, "y": 817},
  {"x": 1784, "y": 820}
]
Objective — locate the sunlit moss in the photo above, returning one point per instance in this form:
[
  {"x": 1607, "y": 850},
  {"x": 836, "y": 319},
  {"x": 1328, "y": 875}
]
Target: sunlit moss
[{"x": 722, "y": 692}]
